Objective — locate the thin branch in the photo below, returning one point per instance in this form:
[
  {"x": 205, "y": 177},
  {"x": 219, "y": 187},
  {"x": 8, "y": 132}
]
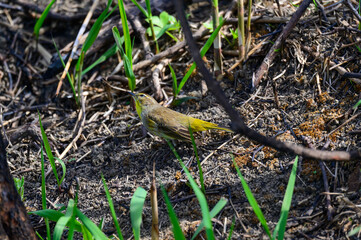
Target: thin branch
[
  {"x": 237, "y": 123},
  {"x": 262, "y": 70}
]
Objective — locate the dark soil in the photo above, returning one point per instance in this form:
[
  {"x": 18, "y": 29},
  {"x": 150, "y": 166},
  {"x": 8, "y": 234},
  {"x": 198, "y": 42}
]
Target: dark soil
[{"x": 313, "y": 101}]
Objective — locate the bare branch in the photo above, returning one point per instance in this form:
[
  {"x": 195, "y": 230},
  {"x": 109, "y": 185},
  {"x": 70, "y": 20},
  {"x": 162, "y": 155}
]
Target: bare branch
[{"x": 237, "y": 123}]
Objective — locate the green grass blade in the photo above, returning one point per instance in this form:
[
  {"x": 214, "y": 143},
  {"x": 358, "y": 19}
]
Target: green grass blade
[
  {"x": 110, "y": 52},
  {"x": 71, "y": 226},
  {"x": 39, "y": 236},
  {"x": 151, "y": 25},
  {"x": 48, "y": 151},
  {"x": 51, "y": 214},
  {"x": 112, "y": 210},
  {"x": 79, "y": 70},
  {"x": 177, "y": 231},
  {"x": 136, "y": 209},
  {"x": 201, "y": 179},
  {"x": 175, "y": 84},
  {"x": 127, "y": 64},
  {"x": 19, "y": 184},
  {"x": 140, "y": 8},
  {"x": 126, "y": 34},
  {"x": 281, "y": 225},
  {"x": 358, "y": 103},
  {"x": 203, "y": 52},
  {"x": 63, "y": 167},
  {"x": 252, "y": 201},
  {"x": 231, "y": 229},
  {"x": 92, "y": 227},
  {"x": 41, "y": 20},
  {"x": 200, "y": 196},
  {"x": 86, "y": 234},
  {"x": 72, "y": 223},
  {"x": 163, "y": 30},
  {"x": 43, "y": 192},
  {"x": 149, "y": 9},
  {"x": 354, "y": 231},
  {"x": 54, "y": 215},
  {"x": 63, "y": 221},
  {"x": 219, "y": 206},
  {"x": 94, "y": 31}
]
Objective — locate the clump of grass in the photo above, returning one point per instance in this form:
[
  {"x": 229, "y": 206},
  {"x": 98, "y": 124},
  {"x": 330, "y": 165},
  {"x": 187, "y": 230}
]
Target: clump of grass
[
  {"x": 93, "y": 33},
  {"x": 127, "y": 62},
  {"x": 280, "y": 228},
  {"x": 206, "y": 214}
]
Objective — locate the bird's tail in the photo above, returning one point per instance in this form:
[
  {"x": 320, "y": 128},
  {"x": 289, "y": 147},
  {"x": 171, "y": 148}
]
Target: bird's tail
[{"x": 223, "y": 129}]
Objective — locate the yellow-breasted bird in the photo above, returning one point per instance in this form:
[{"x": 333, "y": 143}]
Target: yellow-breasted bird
[{"x": 165, "y": 122}]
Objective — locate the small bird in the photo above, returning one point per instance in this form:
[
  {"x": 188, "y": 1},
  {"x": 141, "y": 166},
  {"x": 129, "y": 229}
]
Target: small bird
[{"x": 165, "y": 122}]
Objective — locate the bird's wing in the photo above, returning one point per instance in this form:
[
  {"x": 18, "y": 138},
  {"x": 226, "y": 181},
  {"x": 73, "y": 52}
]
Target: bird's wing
[{"x": 169, "y": 128}]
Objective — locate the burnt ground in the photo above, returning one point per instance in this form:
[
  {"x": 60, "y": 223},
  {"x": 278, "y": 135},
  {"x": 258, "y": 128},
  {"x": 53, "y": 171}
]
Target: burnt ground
[{"x": 314, "y": 104}]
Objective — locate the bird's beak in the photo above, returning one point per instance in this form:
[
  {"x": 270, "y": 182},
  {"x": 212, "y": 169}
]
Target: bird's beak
[{"x": 132, "y": 94}]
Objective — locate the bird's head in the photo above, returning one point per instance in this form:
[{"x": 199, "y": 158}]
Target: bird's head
[{"x": 142, "y": 100}]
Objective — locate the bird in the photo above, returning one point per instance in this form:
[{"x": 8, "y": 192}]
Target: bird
[{"x": 167, "y": 123}]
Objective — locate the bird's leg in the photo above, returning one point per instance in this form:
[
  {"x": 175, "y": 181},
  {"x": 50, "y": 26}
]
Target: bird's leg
[{"x": 144, "y": 131}]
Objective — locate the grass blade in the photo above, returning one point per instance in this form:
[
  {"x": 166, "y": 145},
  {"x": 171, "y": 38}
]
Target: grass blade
[
  {"x": 110, "y": 52},
  {"x": 63, "y": 221},
  {"x": 203, "y": 52},
  {"x": 93, "y": 33},
  {"x": 219, "y": 206},
  {"x": 252, "y": 201},
  {"x": 48, "y": 151},
  {"x": 200, "y": 196},
  {"x": 19, "y": 184},
  {"x": 354, "y": 231},
  {"x": 231, "y": 229},
  {"x": 127, "y": 63},
  {"x": 175, "y": 84},
  {"x": 281, "y": 225},
  {"x": 126, "y": 34},
  {"x": 41, "y": 20},
  {"x": 112, "y": 210},
  {"x": 92, "y": 227},
  {"x": 201, "y": 179},
  {"x": 136, "y": 209},
  {"x": 177, "y": 231},
  {"x": 140, "y": 8},
  {"x": 358, "y": 103},
  {"x": 43, "y": 193},
  {"x": 63, "y": 167},
  {"x": 54, "y": 215}
]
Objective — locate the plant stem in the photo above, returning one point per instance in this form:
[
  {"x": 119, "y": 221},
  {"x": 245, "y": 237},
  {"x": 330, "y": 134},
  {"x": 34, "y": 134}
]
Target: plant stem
[
  {"x": 218, "y": 66},
  {"x": 241, "y": 36}
]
